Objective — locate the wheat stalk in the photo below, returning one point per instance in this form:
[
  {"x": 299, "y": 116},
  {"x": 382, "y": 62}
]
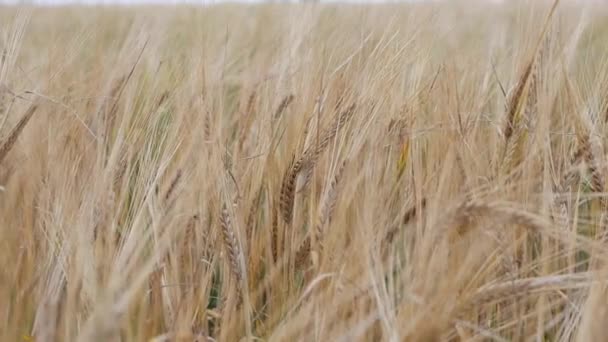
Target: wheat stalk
[{"x": 409, "y": 215}]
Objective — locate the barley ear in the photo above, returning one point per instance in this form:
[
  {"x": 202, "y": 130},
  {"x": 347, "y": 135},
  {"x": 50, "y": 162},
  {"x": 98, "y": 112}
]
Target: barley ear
[
  {"x": 231, "y": 247},
  {"x": 288, "y": 188},
  {"x": 8, "y": 144},
  {"x": 302, "y": 254},
  {"x": 311, "y": 154},
  {"x": 173, "y": 186},
  {"x": 282, "y": 107},
  {"x": 409, "y": 215},
  {"x": 328, "y": 204}
]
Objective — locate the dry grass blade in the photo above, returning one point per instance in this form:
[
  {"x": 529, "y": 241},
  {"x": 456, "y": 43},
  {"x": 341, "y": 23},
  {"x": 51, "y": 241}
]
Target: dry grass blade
[{"x": 47, "y": 322}]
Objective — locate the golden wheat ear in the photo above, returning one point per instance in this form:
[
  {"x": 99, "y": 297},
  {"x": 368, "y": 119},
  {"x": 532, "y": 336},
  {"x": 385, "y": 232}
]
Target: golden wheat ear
[
  {"x": 520, "y": 107},
  {"x": 282, "y": 107},
  {"x": 328, "y": 204},
  {"x": 302, "y": 254},
  {"x": 408, "y": 216},
  {"x": 311, "y": 154},
  {"x": 232, "y": 247},
  {"x": 288, "y": 189},
  {"x": 8, "y": 144},
  {"x": 306, "y": 163},
  {"x": 326, "y": 208}
]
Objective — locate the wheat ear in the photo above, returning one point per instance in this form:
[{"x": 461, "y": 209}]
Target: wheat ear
[
  {"x": 325, "y": 213},
  {"x": 8, "y": 144},
  {"x": 288, "y": 189},
  {"x": 306, "y": 162},
  {"x": 173, "y": 185},
  {"x": 328, "y": 204},
  {"x": 231, "y": 246},
  {"x": 311, "y": 154},
  {"x": 409, "y": 215},
  {"x": 302, "y": 254},
  {"x": 282, "y": 106},
  {"x": 494, "y": 292}
]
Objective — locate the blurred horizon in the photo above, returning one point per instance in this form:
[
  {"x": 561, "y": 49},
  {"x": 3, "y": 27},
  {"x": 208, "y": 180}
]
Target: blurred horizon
[
  {"x": 200, "y": 2},
  {"x": 211, "y": 2}
]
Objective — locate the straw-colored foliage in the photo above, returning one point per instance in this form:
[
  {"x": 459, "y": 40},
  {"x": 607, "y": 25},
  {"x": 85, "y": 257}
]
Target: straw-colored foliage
[{"x": 304, "y": 172}]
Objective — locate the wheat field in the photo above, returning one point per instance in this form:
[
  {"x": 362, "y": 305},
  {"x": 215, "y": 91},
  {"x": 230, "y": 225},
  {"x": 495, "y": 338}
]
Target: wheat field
[{"x": 304, "y": 172}]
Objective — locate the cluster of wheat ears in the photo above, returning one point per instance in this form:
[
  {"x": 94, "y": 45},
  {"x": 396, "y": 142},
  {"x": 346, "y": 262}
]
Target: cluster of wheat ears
[{"x": 304, "y": 172}]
